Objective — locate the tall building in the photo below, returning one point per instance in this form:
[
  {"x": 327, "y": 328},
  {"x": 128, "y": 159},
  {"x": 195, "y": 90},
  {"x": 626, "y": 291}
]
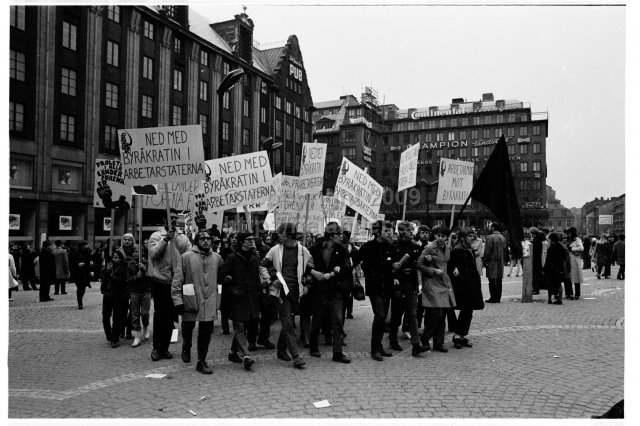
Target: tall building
[
  {"x": 461, "y": 130},
  {"x": 78, "y": 74}
]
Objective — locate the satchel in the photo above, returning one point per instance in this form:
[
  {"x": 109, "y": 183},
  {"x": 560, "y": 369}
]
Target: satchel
[
  {"x": 189, "y": 298},
  {"x": 358, "y": 291}
]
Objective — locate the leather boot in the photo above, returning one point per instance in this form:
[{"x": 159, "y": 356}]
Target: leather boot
[{"x": 136, "y": 339}]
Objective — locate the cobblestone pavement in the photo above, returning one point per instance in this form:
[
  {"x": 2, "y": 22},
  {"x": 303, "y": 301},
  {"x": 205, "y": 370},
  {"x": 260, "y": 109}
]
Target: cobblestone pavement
[{"x": 528, "y": 361}]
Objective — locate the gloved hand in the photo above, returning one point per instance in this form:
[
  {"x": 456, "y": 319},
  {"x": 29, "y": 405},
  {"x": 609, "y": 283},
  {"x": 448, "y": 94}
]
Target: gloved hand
[{"x": 179, "y": 309}]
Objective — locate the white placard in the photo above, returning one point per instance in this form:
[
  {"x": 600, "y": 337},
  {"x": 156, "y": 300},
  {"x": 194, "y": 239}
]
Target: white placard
[
  {"x": 605, "y": 219},
  {"x": 358, "y": 190},
  {"x": 237, "y": 181},
  {"x": 312, "y": 167},
  {"x": 333, "y": 208},
  {"x": 182, "y": 196},
  {"x": 162, "y": 154},
  {"x": 408, "y": 167},
  {"x": 274, "y": 197},
  {"x": 109, "y": 189},
  {"x": 455, "y": 181}
]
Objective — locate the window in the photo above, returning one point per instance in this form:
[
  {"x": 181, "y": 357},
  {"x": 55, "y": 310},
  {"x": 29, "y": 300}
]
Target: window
[
  {"x": 406, "y": 139},
  {"x": 442, "y": 123},
  {"x": 536, "y": 130},
  {"x": 176, "y": 115},
  {"x": 536, "y": 184},
  {"x": 500, "y": 119},
  {"x": 511, "y": 131},
  {"x": 204, "y": 90},
  {"x": 439, "y": 137},
  {"x": 203, "y": 119},
  {"x": 177, "y": 80},
  {"x": 486, "y": 151},
  {"x": 226, "y": 68},
  {"x": 69, "y": 82},
  {"x": 536, "y": 166},
  {"x": 523, "y": 131},
  {"x": 452, "y": 153},
  {"x": 246, "y": 141},
  {"x": 349, "y": 153},
  {"x": 486, "y": 133},
  {"x": 245, "y": 107},
  {"x": 170, "y": 11},
  {"x": 451, "y": 136},
  {"x": 16, "y": 117},
  {"x": 463, "y": 152},
  {"x": 432, "y": 124},
  {"x": 67, "y": 128},
  {"x": 297, "y": 109},
  {"x": 438, "y": 152},
  {"x": 348, "y": 136},
  {"x": 487, "y": 119},
  {"x": 465, "y": 121},
  {"x": 225, "y": 100},
  {"x": 454, "y": 122},
  {"x": 113, "y": 50},
  {"x": 18, "y": 17},
  {"x": 204, "y": 58},
  {"x": 148, "y": 30},
  {"x": 225, "y": 130},
  {"x": 536, "y": 148},
  {"x": 329, "y": 157},
  {"x": 264, "y": 88},
  {"x": 476, "y": 121},
  {"x": 463, "y": 135},
  {"x": 278, "y": 101},
  {"x": 428, "y": 137},
  {"x": 474, "y": 151},
  {"x": 523, "y": 184},
  {"x": 511, "y": 149},
  {"x": 429, "y": 154},
  {"x": 263, "y": 115},
  {"x": 147, "y": 106},
  {"x": 147, "y": 68},
  {"x": 69, "y": 35},
  {"x": 113, "y": 13},
  {"x": 511, "y": 118},
  {"x": 524, "y": 166},
  {"x": 177, "y": 46},
  {"x": 111, "y": 95},
  {"x": 287, "y": 131},
  {"x": 288, "y": 104},
  {"x": 523, "y": 149},
  {"x": 497, "y": 133},
  {"x": 279, "y": 128},
  {"x": 110, "y": 138},
  {"x": 17, "y": 65}
]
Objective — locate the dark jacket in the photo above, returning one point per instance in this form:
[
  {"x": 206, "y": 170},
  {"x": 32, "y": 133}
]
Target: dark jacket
[
  {"x": 377, "y": 260},
  {"x": 135, "y": 282},
  {"x": 603, "y": 252},
  {"x": 114, "y": 282},
  {"x": 339, "y": 257},
  {"x": 47, "y": 266},
  {"x": 244, "y": 289},
  {"x": 466, "y": 286},
  {"x": 538, "y": 279},
  {"x": 557, "y": 265},
  {"x": 83, "y": 267},
  {"x": 408, "y": 274}
]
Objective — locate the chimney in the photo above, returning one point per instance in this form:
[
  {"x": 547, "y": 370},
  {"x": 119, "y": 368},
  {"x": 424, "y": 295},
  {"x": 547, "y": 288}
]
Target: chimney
[
  {"x": 238, "y": 33},
  {"x": 456, "y": 101},
  {"x": 487, "y": 97}
]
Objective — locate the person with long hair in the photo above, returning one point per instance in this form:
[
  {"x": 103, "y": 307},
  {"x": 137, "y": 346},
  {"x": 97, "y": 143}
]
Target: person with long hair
[
  {"x": 527, "y": 269},
  {"x": 115, "y": 297}
]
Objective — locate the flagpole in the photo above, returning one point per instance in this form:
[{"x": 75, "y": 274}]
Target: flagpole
[
  {"x": 140, "y": 244},
  {"x": 404, "y": 205},
  {"x": 113, "y": 224},
  {"x": 306, "y": 218},
  {"x": 461, "y": 210}
]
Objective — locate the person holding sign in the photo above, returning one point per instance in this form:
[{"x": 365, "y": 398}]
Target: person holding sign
[
  {"x": 285, "y": 270},
  {"x": 165, "y": 248}
]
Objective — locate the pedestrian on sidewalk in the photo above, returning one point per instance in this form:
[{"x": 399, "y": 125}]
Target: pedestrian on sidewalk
[
  {"x": 556, "y": 268},
  {"x": 575, "y": 247},
  {"x": 603, "y": 251},
  {"x": 47, "y": 267},
  {"x": 493, "y": 259},
  {"x": 27, "y": 268},
  {"x": 618, "y": 256},
  {"x": 527, "y": 269},
  {"x": 194, "y": 293},
  {"x": 85, "y": 271},
  {"x": 61, "y": 257},
  {"x": 115, "y": 297}
]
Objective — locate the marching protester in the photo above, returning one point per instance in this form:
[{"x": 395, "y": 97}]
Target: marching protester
[
  {"x": 586, "y": 257},
  {"x": 405, "y": 270},
  {"x": 114, "y": 301},
  {"x": 354, "y": 254},
  {"x": 260, "y": 329},
  {"x": 424, "y": 235},
  {"x": 225, "y": 251},
  {"x": 465, "y": 281},
  {"x": 241, "y": 276},
  {"x": 575, "y": 247},
  {"x": 165, "y": 248},
  {"x": 27, "y": 268},
  {"x": 331, "y": 266},
  {"x": 377, "y": 263},
  {"x": 140, "y": 297},
  {"x": 293, "y": 262},
  {"x": 437, "y": 294},
  {"x": 494, "y": 248},
  {"x": 194, "y": 294}
]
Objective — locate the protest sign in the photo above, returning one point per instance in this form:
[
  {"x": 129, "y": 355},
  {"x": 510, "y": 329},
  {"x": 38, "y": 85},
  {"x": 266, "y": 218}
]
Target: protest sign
[
  {"x": 182, "y": 196},
  {"x": 237, "y": 181},
  {"x": 162, "y": 154},
  {"x": 455, "y": 181},
  {"x": 312, "y": 168},
  {"x": 274, "y": 196},
  {"x": 358, "y": 190},
  {"x": 333, "y": 208},
  {"x": 408, "y": 167},
  {"x": 293, "y": 205},
  {"x": 110, "y": 190}
]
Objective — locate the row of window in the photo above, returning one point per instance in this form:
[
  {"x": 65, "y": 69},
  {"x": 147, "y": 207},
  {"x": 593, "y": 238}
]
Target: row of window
[
  {"x": 290, "y": 108},
  {"x": 523, "y": 131},
  {"x": 459, "y": 121}
]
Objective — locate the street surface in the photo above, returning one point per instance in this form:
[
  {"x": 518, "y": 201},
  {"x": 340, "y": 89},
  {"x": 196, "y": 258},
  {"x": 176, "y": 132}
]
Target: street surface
[{"x": 528, "y": 361}]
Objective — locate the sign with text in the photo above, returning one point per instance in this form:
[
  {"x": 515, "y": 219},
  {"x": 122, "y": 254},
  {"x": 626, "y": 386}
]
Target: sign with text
[
  {"x": 182, "y": 196},
  {"x": 110, "y": 190},
  {"x": 333, "y": 208},
  {"x": 237, "y": 181},
  {"x": 312, "y": 167},
  {"x": 275, "y": 194},
  {"x": 162, "y": 154},
  {"x": 408, "y": 167},
  {"x": 605, "y": 219},
  {"x": 358, "y": 190},
  {"x": 455, "y": 181}
]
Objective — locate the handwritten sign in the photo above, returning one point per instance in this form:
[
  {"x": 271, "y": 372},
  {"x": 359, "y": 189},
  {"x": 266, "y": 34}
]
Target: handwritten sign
[
  {"x": 333, "y": 208},
  {"x": 162, "y": 154},
  {"x": 312, "y": 167},
  {"x": 182, "y": 196},
  {"x": 274, "y": 196},
  {"x": 408, "y": 167},
  {"x": 455, "y": 181},
  {"x": 358, "y": 190},
  {"x": 293, "y": 205},
  {"x": 110, "y": 190}
]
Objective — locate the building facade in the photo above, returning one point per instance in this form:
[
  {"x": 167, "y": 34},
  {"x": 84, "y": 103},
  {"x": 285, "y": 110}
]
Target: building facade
[
  {"x": 462, "y": 130},
  {"x": 78, "y": 74}
]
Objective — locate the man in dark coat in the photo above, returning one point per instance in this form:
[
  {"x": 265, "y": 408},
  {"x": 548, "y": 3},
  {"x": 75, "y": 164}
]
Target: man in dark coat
[
  {"x": 242, "y": 279},
  {"x": 331, "y": 267},
  {"x": 493, "y": 259},
  {"x": 556, "y": 267},
  {"x": 377, "y": 263},
  {"x": 47, "y": 271}
]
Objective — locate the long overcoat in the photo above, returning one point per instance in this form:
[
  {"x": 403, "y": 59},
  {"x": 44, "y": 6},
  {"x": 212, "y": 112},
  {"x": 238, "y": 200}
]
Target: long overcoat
[
  {"x": 466, "y": 286},
  {"x": 244, "y": 289},
  {"x": 437, "y": 291},
  {"x": 494, "y": 247}
]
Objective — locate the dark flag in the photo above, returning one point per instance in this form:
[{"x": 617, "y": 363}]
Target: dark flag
[{"x": 495, "y": 189}]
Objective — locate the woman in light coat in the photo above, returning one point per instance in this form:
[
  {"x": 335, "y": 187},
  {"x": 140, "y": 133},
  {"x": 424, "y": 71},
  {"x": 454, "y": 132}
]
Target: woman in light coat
[
  {"x": 527, "y": 269},
  {"x": 575, "y": 247}
]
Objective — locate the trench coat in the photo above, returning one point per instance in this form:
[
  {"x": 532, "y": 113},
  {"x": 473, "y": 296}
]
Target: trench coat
[
  {"x": 243, "y": 290},
  {"x": 493, "y": 258},
  {"x": 201, "y": 270},
  {"x": 466, "y": 286},
  {"x": 437, "y": 291}
]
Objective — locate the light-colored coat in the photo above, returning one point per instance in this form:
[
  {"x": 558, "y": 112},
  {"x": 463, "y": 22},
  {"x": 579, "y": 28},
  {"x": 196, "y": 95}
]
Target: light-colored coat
[
  {"x": 201, "y": 270},
  {"x": 61, "y": 258},
  {"x": 493, "y": 256},
  {"x": 163, "y": 256},
  {"x": 437, "y": 291},
  {"x": 274, "y": 259}
]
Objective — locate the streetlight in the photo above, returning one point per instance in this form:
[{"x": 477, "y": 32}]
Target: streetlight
[
  {"x": 228, "y": 82},
  {"x": 269, "y": 145}
]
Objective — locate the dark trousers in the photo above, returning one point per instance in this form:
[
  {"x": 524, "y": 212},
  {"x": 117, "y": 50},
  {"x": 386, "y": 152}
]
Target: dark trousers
[
  {"x": 419, "y": 314},
  {"x": 305, "y": 309},
  {"x": 568, "y": 288},
  {"x": 260, "y": 328},
  {"x": 451, "y": 319},
  {"x": 378, "y": 306},
  {"x": 620, "y": 275},
  {"x": 434, "y": 326},
  {"x": 60, "y": 284},
  {"x": 555, "y": 286},
  {"x": 45, "y": 288},
  {"x": 162, "y": 315},
  {"x": 28, "y": 281},
  {"x": 81, "y": 288},
  {"x": 107, "y": 313},
  {"x": 287, "y": 338},
  {"x": 205, "y": 330},
  {"x": 327, "y": 306},
  {"x": 607, "y": 269},
  {"x": 495, "y": 289},
  {"x": 113, "y": 308},
  {"x": 586, "y": 263},
  {"x": 240, "y": 343},
  {"x": 463, "y": 322},
  {"x": 406, "y": 305}
]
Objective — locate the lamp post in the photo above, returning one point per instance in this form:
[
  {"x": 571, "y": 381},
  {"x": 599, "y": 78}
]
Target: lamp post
[
  {"x": 270, "y": 145},
  {"x": 228, "y": 82}
]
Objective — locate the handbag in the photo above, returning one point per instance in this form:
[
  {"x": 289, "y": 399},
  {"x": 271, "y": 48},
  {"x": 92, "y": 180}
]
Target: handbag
[
  {"x": 189, "y": 298},
  {"x": 358, "y": 291}
]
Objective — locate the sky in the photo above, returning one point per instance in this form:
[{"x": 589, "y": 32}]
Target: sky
[{"x": 568, "y": 61}]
